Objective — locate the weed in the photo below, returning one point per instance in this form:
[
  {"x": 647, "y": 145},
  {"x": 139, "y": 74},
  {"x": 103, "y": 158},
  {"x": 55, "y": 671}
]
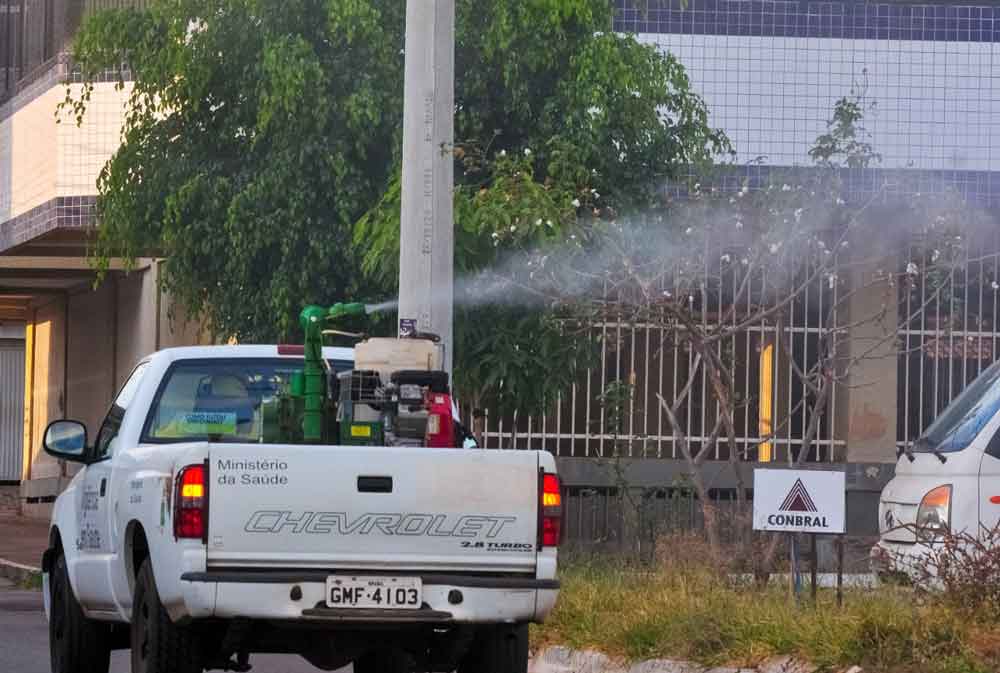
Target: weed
[{"x": 678, "y": 611}]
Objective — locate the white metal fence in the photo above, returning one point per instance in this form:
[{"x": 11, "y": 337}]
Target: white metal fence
[{"x": 949, "y": 331}]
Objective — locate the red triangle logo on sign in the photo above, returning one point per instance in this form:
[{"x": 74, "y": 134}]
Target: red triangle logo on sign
[{"x": 798, "y": 499}]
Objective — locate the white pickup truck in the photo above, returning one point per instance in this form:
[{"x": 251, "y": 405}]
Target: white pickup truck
[{"x": 191, "y": 540}]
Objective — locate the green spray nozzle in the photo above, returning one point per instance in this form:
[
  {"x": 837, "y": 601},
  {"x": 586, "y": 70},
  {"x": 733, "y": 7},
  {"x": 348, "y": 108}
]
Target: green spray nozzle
[
  {"x": 312, "y": 317},
  {"x": 340, "y": 310}
]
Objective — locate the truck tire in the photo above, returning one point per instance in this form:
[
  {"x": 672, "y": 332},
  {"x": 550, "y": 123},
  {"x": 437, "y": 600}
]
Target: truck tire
[
  {"x": 159, "y": 645},
  {"x": 498, "y": 649},
  {"x": 76, "y": 644},
  {"x": 388, "y": 660}
]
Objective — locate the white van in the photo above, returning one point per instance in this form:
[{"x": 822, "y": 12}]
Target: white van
[{"x": 948, "y": 479}]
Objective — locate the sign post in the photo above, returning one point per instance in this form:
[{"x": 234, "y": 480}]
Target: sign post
[{"x": 799, "y": 501}]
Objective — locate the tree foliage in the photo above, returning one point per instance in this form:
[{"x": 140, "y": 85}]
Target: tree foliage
[{"x": 261, "y": 157}]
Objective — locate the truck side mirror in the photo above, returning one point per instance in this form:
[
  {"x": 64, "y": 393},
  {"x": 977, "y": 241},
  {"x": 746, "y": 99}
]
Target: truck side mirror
[{"x": 66, "y": 440}]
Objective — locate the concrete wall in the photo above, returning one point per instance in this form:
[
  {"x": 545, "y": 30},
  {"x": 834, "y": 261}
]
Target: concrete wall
[
  {"x": 48, "y": 384},
  {"x": 137, "y": 324},
  {"x": 80, "y": 347},
  {"x": 871, "y": 388},
  {"x": 91, "y": 374}
]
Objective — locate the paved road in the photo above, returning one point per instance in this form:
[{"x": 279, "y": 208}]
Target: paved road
[{"x": 24, "y": 640}]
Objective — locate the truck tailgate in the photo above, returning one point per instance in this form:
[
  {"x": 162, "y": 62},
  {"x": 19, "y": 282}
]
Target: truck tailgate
[{"x": 372, "y": 508}]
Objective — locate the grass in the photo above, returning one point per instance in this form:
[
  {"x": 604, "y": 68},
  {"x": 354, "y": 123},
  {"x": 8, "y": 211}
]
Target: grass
[
  {"x": 643, "y": 613},
  {"x": 32, "y": 582}
]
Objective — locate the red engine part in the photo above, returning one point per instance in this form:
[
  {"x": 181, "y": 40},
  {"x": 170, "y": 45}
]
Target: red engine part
[{"x": 440, "y": 423}]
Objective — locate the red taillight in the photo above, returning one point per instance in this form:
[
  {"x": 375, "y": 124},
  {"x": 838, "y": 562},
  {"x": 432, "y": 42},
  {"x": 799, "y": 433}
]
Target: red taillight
[
  {"x": 440, "y": 424},
  {"x": 191, "y": 503},
  {"x": 550, "y": 507}
]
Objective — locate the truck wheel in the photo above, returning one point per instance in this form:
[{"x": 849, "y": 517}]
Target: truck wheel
[
  {"x": 498, "y": 649},
  {"x": 76, "y": 644},
  {"x": 388, "y": 660},
  {"x": 159, "y": 645}
]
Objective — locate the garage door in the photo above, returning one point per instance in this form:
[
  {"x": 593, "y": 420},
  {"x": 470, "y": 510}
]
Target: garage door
[{"x": 11, "y": 408}]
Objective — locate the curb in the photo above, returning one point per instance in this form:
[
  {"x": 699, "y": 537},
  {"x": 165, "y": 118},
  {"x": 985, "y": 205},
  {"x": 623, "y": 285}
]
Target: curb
[
  {"x": 566, "y": 660},
  {"x": 17, "y": 572}
]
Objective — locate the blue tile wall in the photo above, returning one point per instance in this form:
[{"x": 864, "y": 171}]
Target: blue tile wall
[{"x": 802, "y": 18}]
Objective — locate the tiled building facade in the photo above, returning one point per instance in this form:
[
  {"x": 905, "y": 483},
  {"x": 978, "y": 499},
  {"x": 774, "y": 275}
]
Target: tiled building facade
[
  {"x": 771, "y": 70},
  {"x": 70, "y": 344}
]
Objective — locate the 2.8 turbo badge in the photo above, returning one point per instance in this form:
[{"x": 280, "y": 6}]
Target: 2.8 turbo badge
[{"x": 499, "y": 546}]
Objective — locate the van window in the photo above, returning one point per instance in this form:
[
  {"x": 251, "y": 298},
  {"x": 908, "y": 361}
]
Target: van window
[
  {"x": 965, "y": 417},
  {"x": 218, "y": 400}
]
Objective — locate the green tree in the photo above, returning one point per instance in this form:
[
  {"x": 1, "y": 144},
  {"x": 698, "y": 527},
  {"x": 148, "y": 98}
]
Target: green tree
[{"x": 261, "y": 158}]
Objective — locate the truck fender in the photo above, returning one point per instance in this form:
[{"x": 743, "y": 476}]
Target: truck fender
[{"x": 65, "y": 531}]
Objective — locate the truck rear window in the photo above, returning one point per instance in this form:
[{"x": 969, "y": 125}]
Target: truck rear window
[{"x": 219, "y": 400}]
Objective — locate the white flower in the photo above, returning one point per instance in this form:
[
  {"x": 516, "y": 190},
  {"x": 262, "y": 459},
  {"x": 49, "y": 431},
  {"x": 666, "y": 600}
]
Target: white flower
[
  {"x": 503, "y": 153},
  {"x": 538, "y": 222},
  {"x": 697, "y": 186},
  {"x": 496, "y": 235},
  {"x": 775, "y": 247},
  {"x": 995, "y": 285},
  {"x": 576, "y": 203},
  {"x": 786, "y": 188},
  {"x": 935, "y": 255},
  {"x": 798, "y": 214},
  {"x": 688, "y": 231},
  {"x": 595, "y": 193},
  {"x": 732, "y": 200},
  {"x": 725, "y": 259},
  {"x": 912, "y": 269},
  {"x": 513, "y": 228},
  {"x": 666, "y": 293},
  {"x": 844, "y": 244},
  {"x": 821, "y": 244},
  {"x": 745, "y": 261},
  {"x": 572, "y": 237},
  {"x": 840, "y": 201},
  {"x": 739, "y": 223},
  {"x": 548, "y": 223}
]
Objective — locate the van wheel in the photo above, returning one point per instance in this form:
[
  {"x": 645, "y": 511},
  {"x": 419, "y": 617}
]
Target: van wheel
[
  {"x": 498, "y": 649},
  {"x": 76, "y": 644},
  {"x": 388, "y": 660},
  {"x": 159, "y": 645}
]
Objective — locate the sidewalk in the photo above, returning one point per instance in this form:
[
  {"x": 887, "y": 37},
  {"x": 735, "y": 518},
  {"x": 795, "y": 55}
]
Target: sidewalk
[{"x": 22, "y": 541}]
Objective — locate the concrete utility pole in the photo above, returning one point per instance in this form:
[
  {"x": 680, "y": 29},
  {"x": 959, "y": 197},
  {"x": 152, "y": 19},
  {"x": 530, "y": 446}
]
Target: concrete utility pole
[{"x": 427, "y": 237}]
